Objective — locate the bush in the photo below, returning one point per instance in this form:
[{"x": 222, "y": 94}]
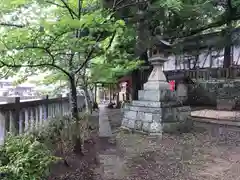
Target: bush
[
  {"x": 22, "y": 157},
  {"x": 28, "y": 156},
  {"x": 63, "y": 130}
]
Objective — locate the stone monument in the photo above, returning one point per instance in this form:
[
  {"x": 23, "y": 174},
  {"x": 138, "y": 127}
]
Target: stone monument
[{"x": 157, "y": 109}]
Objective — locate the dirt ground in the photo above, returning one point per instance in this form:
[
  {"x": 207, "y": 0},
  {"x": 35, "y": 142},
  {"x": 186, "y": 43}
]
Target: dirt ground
[
  {"x": 191, "y": 156},
  {"x": 198, "y": 155}
]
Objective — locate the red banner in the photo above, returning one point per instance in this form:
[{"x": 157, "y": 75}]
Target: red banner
[{"x": 172, "y": 85}]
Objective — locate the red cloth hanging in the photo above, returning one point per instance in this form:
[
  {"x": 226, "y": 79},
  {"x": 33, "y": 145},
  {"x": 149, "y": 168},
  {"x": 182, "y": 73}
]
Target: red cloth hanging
[{"x": 172, "y": 85}]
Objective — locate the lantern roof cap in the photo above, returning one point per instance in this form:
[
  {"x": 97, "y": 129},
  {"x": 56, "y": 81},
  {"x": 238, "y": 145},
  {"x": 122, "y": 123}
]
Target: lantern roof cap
[{"x": 158, "y": 42}]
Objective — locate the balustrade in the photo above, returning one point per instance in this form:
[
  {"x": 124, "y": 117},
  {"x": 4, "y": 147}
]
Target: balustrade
[{"x": 21, "y": 116}]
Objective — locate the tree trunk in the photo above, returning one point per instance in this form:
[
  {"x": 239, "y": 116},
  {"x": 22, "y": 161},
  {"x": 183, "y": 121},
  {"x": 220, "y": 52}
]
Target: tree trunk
[
  {"x": 228, "y": 35},
  {"x": 136, "y": 84},
  {"x": 227, "y": 56},
  {"x": 87, "y": 99},
  {"x": 86, "y": 93},
  {"x": 74, "y": 112}
]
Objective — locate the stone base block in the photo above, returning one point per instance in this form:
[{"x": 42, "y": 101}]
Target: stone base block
[
  {"x": 171, "y": 127},
  {"x": 226, "y": 104},
  {"x": 176, "y": 114},
  {"x": 156, "y": 120},
  {"x": 138, "y": 125}
]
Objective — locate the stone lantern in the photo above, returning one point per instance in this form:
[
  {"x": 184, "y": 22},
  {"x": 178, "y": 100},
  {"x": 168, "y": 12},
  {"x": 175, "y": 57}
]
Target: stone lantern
[
  {"x": 157, "y": 109},
  {"x": 157, "y": 56}
]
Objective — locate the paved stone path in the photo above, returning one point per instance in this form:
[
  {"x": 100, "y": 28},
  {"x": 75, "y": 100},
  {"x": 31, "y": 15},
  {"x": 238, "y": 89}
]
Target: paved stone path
[
  {"x": 110, "y": 162},
  {"x": 104, "y": 125}
]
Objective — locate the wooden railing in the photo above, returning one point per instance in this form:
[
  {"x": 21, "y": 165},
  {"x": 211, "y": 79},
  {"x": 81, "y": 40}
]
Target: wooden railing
[
  {"x": 20, "y": 116},
  {"x": 208, "y": 73}
]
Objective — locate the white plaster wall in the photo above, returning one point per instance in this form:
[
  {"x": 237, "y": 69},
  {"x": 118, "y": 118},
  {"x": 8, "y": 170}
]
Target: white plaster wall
[
  {"x": 204, "y": 60},
  {"x": 236, "y": 55}
]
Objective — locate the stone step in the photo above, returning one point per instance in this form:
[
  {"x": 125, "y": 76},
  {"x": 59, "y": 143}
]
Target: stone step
[
  {"x": 143, "y": 109},
  {"x": 157, "y": 95},
  {"x": 218, "y": 128},
  {"x": 226, "y": 122},
  {"x": 156, "y": 104}
]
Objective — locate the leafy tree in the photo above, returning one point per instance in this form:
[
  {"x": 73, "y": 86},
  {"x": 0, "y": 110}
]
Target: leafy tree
[
  {"x": 174, "y": 19},
  {"x": 63, "y": 38}
]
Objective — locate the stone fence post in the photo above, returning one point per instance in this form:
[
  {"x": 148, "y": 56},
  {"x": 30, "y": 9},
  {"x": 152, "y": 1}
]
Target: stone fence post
[
  {"x": 14, "y": 115},
  {"x": 60, "y": 104},
  {"x": 45, "y": 105}
]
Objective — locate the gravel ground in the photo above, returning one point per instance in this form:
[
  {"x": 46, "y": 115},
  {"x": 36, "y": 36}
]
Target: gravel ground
[
  {"x": 193, "y": 156},
  {"x": 203, "y": 154},
  {"x": 212, "y": 154}
]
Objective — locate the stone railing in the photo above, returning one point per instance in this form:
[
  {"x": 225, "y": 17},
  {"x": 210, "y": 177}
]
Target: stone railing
[
  {"x": 208, "y": 73},
  {"x": 5, "y": 98},
  {"x": 19, "y": 116}
]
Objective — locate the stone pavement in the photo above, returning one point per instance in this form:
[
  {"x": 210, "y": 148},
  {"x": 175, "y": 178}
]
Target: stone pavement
[
  {"x": 216, "y": 114},
  {"x": 104, "y": 125},
  {"x": 110, "y": 162}
]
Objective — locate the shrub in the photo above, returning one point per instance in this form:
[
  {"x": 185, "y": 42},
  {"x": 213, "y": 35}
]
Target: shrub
[
  {"x": 63, "y": 130},
  {"x": 22, "y": 157}
]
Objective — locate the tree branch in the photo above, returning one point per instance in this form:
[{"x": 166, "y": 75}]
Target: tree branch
[
  {"x": 56, "y": 38},
  {"x": 34, "y": 65},
  {"x": 89, "y": 54},
  {"x": 71, "y": 11},
  {"x": 12, "y": 25},
  {"x": 53, "y": 3},
  {"x": 111, "y": 40},
  {"x": 52, "y": 64},
  {"x": 209, "y": 26},
  {"x": 6, "y": 74},
  {"x": 128, "y": 5}
]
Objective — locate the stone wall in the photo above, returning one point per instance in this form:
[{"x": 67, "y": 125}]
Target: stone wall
[
  {"x": 208, "y": 92},
  {"x": 156, "y": 111}
]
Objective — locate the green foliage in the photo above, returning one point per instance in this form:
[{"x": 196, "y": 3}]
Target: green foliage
[
  {"x": 64, "y": 38},
  {"x": 22, "y": 157},
  {"x": 54, "y": 131},
  {"x": 118, "y": 60}
]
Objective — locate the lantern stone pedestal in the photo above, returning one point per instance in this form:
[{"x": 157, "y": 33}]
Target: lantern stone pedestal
[{"x": 157, "y": 109}]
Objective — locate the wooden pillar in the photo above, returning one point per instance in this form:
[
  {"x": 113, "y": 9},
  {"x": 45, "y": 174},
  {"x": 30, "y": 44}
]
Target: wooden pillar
[
  {"x": 117, "y": 99},
  {"x": 110, "y": 92},
  {"x": 95, "y": 92}
]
